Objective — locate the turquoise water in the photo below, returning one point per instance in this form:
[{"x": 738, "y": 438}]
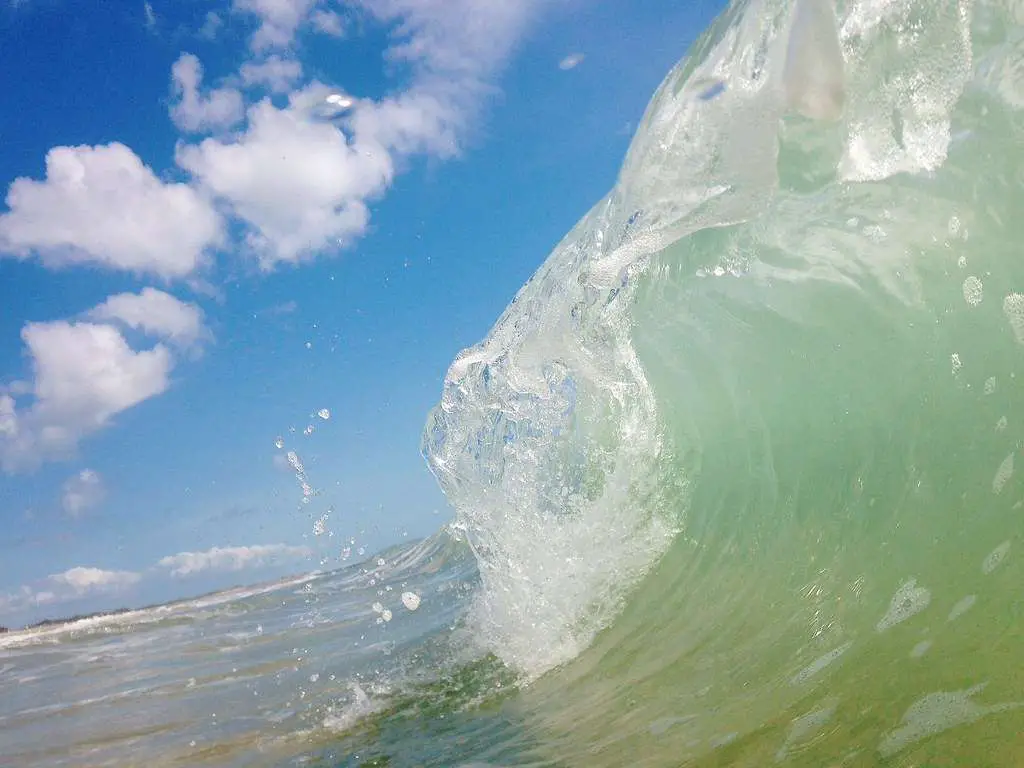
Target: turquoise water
[{"x": 735, "y": 475}]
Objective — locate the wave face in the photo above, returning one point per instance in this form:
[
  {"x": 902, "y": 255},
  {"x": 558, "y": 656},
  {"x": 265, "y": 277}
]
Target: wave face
[{"x": 737, "y": 464}]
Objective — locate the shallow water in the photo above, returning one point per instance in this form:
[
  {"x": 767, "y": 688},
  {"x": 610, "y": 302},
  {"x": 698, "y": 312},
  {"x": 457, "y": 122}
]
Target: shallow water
[{"x": 735, "y": 476}]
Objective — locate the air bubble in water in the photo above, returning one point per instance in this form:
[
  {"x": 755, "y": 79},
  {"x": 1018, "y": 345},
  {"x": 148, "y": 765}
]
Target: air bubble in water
[
  {"x": 973, "y": 291},
  {"x": 324, "y": 414},
  {"x": 411, "y": 600},
  {"x": 1013, "y": 308},
  {"x": 308, "y": 430},
  {"x": 295, "y": 462},
  {"x": 377, "y": 608},
  {"x": 920, "y": 649},
  {"x": 1003, "y": 474},
  {"x": 990, "y": 385},
  {"x": 909, "y": 600},
  {"x": 385, "y": 614},
  {"x": 279, "y": 442},
  {"x": 955, "y": 362},
  {"x": 995, "y": 558}
]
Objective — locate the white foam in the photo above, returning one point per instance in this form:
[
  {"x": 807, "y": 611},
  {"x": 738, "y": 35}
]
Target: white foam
[
  {"x": 995, "y": 558},
  {"x": 908, "y": 601},
  {"x": 935, "y": 713},
  {"x": 1003, "y": 474}
]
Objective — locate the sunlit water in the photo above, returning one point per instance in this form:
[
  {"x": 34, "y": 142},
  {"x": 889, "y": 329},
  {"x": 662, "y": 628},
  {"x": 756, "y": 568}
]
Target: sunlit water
[{"x": 735, "y": 476}]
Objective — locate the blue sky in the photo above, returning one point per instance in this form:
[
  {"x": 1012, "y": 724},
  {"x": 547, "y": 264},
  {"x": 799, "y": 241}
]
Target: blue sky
[{"x": 197, "y": 256}]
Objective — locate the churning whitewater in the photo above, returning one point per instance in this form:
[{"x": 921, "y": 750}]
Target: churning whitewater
[{"x": 735, "y": 475}]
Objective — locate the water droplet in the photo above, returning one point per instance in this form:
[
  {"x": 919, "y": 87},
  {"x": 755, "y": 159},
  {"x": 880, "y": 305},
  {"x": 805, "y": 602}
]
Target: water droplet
[{"x": 411, "y": 600}]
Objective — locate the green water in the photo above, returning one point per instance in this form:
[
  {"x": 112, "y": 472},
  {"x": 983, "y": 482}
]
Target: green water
[{"x": 738, "y": 464}]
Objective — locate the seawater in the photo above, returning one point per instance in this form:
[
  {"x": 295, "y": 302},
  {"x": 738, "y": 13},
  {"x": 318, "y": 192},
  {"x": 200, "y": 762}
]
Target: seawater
[{"x": 736, "y": 475}]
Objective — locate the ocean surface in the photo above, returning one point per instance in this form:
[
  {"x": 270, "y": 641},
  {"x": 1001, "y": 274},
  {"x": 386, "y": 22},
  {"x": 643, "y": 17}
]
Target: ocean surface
[{"x": 736, "y": 475}]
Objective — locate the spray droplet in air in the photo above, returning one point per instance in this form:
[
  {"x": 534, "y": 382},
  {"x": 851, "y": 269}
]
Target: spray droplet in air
[{"x": 813, "y": 75}]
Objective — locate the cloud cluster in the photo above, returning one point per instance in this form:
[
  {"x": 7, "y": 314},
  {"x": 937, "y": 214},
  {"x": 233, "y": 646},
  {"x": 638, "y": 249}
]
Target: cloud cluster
[
  {"x": 230, "y": 558},
  {"x": 85, "y": 372},
  {"x": 102, "y": 206},
  {"x": 81, "y": 581},
  {"x": 282, "y": 180},
  {"x": 81, "y": 492}
]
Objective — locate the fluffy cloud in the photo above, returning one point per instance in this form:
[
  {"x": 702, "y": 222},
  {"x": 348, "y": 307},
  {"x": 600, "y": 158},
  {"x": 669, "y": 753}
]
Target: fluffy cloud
[
  {"x": 295, "y": 180},
  {"x": 302, "y": 183},
  {"x": 82, "y": 580},
  {"x": 155, "y": 313},
  {"x": 85, "y": 373},
  {"x": 279, "y": 20},
  {"x": 194, "y": 112},
  {"x": 230, "y": 558},
  {"x": 81, "y": 492},
  {"x": 101, "y": 205},
  {"x": 72, "y": 584},
  {"x": 274, "y": 72}
]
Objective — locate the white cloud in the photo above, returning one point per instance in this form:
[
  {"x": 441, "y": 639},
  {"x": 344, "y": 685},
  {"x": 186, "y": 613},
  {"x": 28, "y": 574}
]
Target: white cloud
[
  {"x": 230, "y": 558},
  {"x": 155, "y": 313},
  {"x": 279, "y": 20},
  {"x": 81, "y": 492},
  {"x": 219, "y": 108},
  {"x": 102, "y": 205},
  {"x": 571, "y": 61},
  {"x": 149, "y": 15},
  {"x": 328, "y": 22},
  {"x": 275, "y": 73},
  {"x": 83, "y": 580},
  {"x": 84, "y": 374},
  {"x": 303, "y": 183},
  {"x": 299, "y": 184},
  {"x": 211, "y": 25}
]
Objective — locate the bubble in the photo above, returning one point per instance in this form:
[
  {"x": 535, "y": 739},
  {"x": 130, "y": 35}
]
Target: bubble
[
  {"x": 962, "y": 262},
  {"x": 1013, "y": 308},
  {"x": 954, "y": 226},
  {"x": 314, "y": 677},
  {"x": 955, "y": 362},
  {"x": 377, "y": 608},
  {"x": 308, "y": 430},
  {"x": 962, "y": 607},
  {"x": 908, "y": 601},
  {"x": 411, "y": 600},
  {"x": 381, "y": 561},
  {"x": 995, "y": 558},
  {"x": 385, "y": 614},
  {"x": 324, "y": 414},
  {"x": 920, "y": 649},
  {"x": 990, "y": 385},
  {"x": 1003, "y": 474},
  {"x": 279, "y": 442},
  {"x": 819, "y": 664},
  {"x": 295, "y": 462},
  {"x": 973, "y": 291},
  {"x": 935, "y": 713},
  {"x": 1001, "y": 424}
]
